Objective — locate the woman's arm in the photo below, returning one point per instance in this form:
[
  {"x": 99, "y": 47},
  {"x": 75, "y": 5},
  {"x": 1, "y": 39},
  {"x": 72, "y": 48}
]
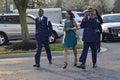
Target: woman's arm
[
  {"x": 67, "y": 29},
  {"x": 75, "y": 26}
]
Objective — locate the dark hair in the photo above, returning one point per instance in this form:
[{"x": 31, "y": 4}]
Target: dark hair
[
  {"x": 41, "y": 10},
  {"x": 71, "y": 14},
  {"x": 97, "y": 13},
  {"x": 90, "y": 8}
]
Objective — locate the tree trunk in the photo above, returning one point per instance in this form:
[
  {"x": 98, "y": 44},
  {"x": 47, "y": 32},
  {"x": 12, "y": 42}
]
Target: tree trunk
[
  {"x": 24, "y": 28},
  {"x": 22, "y": 6}
]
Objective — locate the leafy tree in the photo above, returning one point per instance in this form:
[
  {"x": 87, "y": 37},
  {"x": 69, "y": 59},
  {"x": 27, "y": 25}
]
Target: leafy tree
[
  {"x": 79, "y": 5},
  {"x": 59, "y": 4},
  {"x": 103, "y": 6},
  {"x": 116, "y": 8},
  {"x": 38, "y": 3}
]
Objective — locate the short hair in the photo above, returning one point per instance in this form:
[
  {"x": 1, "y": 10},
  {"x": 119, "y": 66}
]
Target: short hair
[
  {"x": 90, "y": 8},
  {"x": 41, "y": 10}
]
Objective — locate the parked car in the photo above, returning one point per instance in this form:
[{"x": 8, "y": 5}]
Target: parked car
[
  {"x": 81, "y": 15},
  {"x": 10, "y": 28},
  {"x": 111, "y": 27},
  {"x": 75, "y": 15}
]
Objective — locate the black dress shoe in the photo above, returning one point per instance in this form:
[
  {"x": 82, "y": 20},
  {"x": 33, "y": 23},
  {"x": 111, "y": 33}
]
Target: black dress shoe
[
  {"x": 98, "y": 51},
  {"x": 50, "y": 62},
  {"x": 81, "y": 66},
  {"x": 94, "y": 66},
  {"x": 36, "y": 65}
]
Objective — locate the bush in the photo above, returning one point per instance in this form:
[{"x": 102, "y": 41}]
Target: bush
[{"x": 22, "y": 46}]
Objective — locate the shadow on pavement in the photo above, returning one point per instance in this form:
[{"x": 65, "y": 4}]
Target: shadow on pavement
[{"x": 79, "y": 74}]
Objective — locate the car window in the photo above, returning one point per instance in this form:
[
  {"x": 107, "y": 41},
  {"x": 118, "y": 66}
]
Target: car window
[
  {"x": 30, "y": 20},
  {"x": 113, "y": 18},
  {"x": 63, "y": 16},
  {"x": 81, "y": 14},
  {"x": 1, "y": 19},
  {"x": 11, "y": 20}
]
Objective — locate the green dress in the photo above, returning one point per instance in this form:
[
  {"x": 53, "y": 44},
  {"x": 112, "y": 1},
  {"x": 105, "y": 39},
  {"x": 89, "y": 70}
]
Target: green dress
[{"x": 69, "y": 39}]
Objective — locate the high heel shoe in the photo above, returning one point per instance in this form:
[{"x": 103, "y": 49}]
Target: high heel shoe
[
  {"x": 75, "y": 64},
  {"x": 65, "y": 65}
]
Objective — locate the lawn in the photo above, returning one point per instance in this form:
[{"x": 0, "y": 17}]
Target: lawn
[{"x": 54, "y": 47}]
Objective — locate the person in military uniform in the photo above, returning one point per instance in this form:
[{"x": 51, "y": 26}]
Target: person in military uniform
[
  {"x": 43, "y": 31},
  {"x": 89, "y": 24}
]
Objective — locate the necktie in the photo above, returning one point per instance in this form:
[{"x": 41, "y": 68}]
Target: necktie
[{"x": 40, "y": 19}]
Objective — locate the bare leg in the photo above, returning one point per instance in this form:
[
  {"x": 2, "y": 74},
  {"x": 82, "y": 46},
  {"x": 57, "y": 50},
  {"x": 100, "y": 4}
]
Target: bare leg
[
  {"x": 75, "y": 55},
  {"x": 65, "y": 58},
  {"x": 65, "y": 55}
]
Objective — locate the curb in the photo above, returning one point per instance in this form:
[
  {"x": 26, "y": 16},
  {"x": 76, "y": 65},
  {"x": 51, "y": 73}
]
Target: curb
[{"x": 32, "y": 54}]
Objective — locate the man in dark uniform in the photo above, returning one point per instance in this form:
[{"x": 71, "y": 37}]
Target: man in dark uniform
[
  {"x": 90, "y": 38},
  {"x": 43, "y": 31}
]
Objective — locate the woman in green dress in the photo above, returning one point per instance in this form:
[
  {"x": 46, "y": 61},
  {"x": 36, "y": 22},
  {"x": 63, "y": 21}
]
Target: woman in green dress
[{"x": 70, "y": 39}]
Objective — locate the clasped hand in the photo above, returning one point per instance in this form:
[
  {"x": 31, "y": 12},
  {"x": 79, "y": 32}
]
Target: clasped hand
[{"x": 68, "y": 29}]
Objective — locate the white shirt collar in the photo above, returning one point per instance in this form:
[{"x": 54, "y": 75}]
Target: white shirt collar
[
  {"x": 88, "y": 17},
  {"x": 41, "y": 17}
]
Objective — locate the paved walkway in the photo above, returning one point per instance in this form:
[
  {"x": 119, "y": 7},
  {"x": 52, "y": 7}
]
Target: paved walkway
[{"x": 21, "y": 69}]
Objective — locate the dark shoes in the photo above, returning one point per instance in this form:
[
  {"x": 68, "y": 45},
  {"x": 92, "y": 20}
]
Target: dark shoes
[
  {"x": 81, "y": 66},
  {"x": 36, "y": 65},
  {"x": 65, "y": 65},
  {"x": 98, "y": 50},
  {"x": 50, "y": 62},
  {"x": 94, "y": 66},
  {"x": 75, "y": 65}
]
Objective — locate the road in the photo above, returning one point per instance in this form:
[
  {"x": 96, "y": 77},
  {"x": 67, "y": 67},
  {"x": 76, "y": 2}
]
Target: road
[{"x": 21, "y": 68}]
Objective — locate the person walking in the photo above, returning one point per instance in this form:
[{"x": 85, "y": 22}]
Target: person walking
[
  {"x": 90, "y": 38},
  {"x": 43, "y": 31},
  {"x": 99, "y": 30},
  {"x": 70, "y": 39}
]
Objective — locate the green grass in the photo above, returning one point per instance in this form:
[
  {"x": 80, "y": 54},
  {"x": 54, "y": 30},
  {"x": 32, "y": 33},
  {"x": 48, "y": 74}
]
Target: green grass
[
  {"x": 58, "y": 47},
  {"x": 54, "y": 47}
]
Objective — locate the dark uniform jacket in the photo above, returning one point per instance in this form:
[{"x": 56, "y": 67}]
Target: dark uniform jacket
[
  {"x": 43, "y": 27},
  {"x": 90, "y": 26}
]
